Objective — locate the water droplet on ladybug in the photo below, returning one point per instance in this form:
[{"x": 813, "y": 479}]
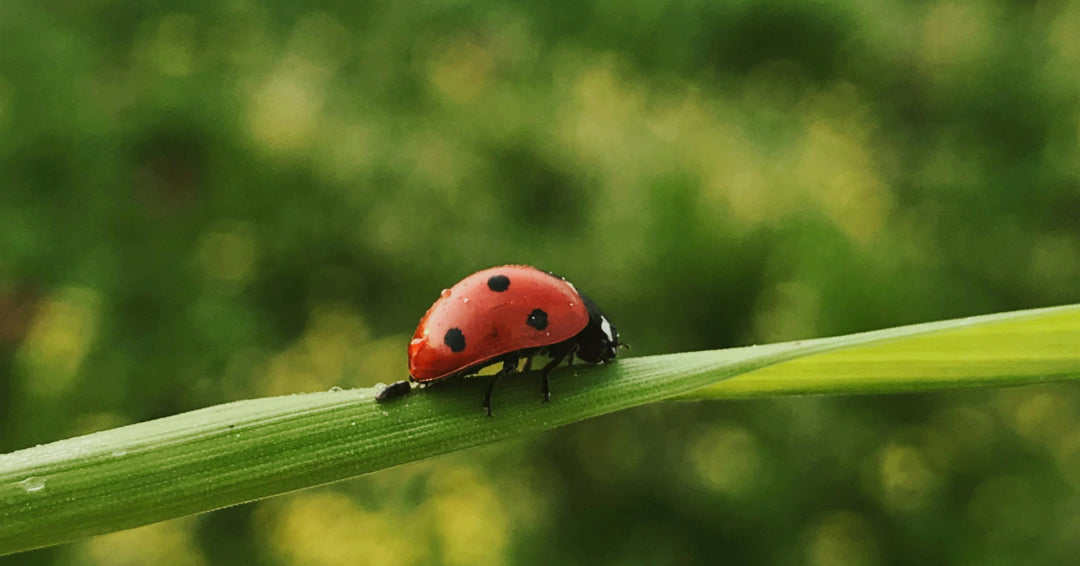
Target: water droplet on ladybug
[
  {"x": 445, "y": 293},
  {"x": 416, "y": 341},
  {"x": 465, "y": 300}
]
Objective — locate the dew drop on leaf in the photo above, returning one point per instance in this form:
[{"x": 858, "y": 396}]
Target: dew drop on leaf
[{"x": 32, "y": 484}]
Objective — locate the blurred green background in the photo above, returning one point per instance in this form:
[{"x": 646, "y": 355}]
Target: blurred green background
[{"x": 202, "y": 202}]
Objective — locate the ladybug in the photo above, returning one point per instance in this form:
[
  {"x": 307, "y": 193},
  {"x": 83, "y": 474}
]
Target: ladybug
[{"x": 501, "y": 315}]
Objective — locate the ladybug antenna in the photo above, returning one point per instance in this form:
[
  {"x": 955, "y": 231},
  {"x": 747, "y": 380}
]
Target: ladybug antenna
[{"x": 623, "y": 345}]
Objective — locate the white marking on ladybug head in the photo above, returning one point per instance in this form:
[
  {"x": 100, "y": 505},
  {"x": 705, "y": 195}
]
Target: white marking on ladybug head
[{"x": 605, "y": 326}]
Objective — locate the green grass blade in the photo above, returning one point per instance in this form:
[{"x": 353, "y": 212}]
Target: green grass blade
[
  {"x": 1004, "y": 351},
  {"x": 238, "y": 452}
]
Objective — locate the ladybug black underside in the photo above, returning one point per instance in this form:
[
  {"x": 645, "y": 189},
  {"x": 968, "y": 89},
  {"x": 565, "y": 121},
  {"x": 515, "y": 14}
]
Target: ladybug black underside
[
  {"x": 563, "y": 351},
  {"x": 558, "y": 353}
]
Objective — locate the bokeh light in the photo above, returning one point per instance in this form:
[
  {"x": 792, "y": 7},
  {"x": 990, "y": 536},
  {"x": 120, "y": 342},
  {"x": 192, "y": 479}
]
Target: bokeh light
[{"x": 205, "y": 203}]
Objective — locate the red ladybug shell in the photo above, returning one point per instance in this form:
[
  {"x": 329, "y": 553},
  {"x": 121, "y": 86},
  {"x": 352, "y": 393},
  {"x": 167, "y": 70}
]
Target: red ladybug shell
[{"x": 494, "y": 312}]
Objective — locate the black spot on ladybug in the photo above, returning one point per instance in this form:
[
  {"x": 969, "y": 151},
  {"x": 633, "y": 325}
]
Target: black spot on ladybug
[
  {"x": 455, "y": 339},
  {"x": 499, "y": 283},
  {"x": 537, "y": 319}
]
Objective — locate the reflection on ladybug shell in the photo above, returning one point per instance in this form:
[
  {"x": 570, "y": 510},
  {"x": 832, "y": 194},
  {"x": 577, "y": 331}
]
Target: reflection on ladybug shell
[{"x": 494, "y": 312}]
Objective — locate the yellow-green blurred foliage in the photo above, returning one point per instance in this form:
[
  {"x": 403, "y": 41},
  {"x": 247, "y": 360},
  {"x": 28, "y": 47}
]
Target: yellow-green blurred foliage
[{"x": 208, "y": 201}]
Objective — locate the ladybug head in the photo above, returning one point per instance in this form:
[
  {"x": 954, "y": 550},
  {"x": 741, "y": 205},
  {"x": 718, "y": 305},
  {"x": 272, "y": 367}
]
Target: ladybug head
[{"x": 599, "y": 341}]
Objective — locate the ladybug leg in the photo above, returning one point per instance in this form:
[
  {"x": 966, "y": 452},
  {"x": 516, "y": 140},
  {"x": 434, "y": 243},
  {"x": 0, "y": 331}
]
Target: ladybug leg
[
  {"x": 557, "y": 358},
  {"x": 509, "y": 366},
  {"x": 393, "y": 391},
  {"x": 545, "y": 387},
  {"x": 528, "y": 362}
]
